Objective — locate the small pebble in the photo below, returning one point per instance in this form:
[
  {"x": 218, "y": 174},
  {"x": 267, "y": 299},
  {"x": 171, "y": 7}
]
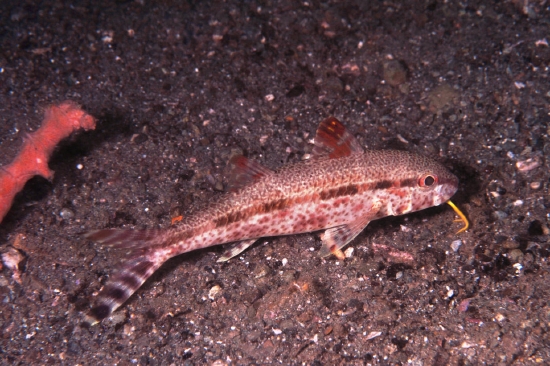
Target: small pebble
[
  {"x": 515, "y": 255},
  {"x": 510, "y": 244},
  {"x": 455, "y": 245},
  {"x": 269, "y": 97},
  {"x": 527, "y": 165},
  {"x": 500, "y": 215},
  {"x": 464, "y": 305},
  {"x": 214, "y": 292},
  {"x": 348, "y": 252},
  {"x": 373, "y": 335},
  {"x": 66, "y": 214},
  {"x": 117, "y": 318}
]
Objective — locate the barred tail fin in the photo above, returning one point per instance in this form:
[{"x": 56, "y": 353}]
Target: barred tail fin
[
  {"x": 125, "y": 238},
  {"x": 142, "y": 261}
]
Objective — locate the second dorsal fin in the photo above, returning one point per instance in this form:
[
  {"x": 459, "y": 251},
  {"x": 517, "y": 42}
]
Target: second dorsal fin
[
  {"x": 334, "y": 140},
  {"x": 245, "y": 171}
]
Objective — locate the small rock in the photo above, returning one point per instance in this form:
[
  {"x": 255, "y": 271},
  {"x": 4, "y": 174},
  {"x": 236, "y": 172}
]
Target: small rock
[
  {"x": 455, "y": 245},
  {"x": 516, "y": 255},
  {"x": 66, "y": 214},
  {"x": 500, "y": 215},
  {"x": 214, "y": 292},
  {"x": 373, "y": 335},
  {"x": 117, "y": 318},
  {"x": 510, "y": 244},
  {"x": 11, "y": 259},
  {"x": 395, "y": 72}
]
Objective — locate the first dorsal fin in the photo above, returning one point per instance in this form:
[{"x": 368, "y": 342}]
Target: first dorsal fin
[
  {"x": 334, "y": 140},
  {"x": 245, "y": 171}
]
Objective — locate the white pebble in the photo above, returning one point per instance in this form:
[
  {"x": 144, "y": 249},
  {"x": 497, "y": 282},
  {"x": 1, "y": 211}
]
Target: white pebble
[
  {"x": 269, "y": 97},
  {"x": 373, "y": 335},
  {"x": 79, "y": 166},
  {"x": 455, "y": 245}
]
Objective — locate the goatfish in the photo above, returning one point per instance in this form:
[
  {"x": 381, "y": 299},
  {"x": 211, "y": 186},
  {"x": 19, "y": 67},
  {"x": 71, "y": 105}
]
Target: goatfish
[{"x": 340, "y": 189}]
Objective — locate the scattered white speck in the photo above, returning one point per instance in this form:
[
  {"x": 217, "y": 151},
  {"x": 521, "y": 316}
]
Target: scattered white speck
[
  {"x": 510, "y": 154},
  {"x": 499, "y": 317},
  {"x": 284, "y": 261},
  {"x": 518, "y": 203},
  {"x": 146, "y": 209},
  {"x": 541, "y": 42},
  {"x": 311, "y": 249},
  {"x": 518, "y": 267},
  {"x": 79, "y": 166},
  {"x": 519, "y": 85},
  {"x": 269, "y": 97},
  {"x": 277, "y": 331},
  {"x": 360, "y": 45},
  {"x": 450, "y": 293},
  {"x": 108, "y": 36}
]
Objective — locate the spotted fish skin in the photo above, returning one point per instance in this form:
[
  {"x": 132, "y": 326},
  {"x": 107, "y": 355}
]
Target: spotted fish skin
[{"x": 341, "y": 189}]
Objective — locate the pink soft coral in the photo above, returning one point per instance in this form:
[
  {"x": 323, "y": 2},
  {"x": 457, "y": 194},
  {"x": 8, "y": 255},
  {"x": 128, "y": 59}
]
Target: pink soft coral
[{"x": 59, "y": 122}]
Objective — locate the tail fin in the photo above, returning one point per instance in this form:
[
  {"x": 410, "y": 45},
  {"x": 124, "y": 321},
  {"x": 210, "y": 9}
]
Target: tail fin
[{"x": 142, "y": 261}]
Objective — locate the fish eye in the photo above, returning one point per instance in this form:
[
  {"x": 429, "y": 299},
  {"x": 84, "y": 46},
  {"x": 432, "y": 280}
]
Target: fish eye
[{"x": 427, "y": 180}]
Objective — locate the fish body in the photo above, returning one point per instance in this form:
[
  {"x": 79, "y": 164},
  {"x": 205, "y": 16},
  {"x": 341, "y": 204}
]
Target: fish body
[{"x": 341, "y": 189}]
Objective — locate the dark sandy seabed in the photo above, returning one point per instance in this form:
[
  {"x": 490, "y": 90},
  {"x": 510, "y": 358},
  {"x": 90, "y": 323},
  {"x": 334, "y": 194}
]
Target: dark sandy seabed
[{"x": 180, "y": 87}]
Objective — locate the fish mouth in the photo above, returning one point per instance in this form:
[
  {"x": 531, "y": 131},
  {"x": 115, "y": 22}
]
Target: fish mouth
[{"x": 447, "y": 188}]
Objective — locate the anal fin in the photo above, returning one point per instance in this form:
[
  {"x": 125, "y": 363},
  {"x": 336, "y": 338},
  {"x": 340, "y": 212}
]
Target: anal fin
[{"x": 235, "y": 249}]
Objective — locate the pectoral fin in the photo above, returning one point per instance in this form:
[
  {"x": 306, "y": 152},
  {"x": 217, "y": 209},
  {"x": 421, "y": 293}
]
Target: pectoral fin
[
  {"x": 335, "y": 238},
  {"x": 235, "y": 249}
]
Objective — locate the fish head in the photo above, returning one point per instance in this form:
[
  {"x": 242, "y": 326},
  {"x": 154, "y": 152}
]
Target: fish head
[
  {"x": 413, "y": 182},
  {"x": 431, "y": 183}
]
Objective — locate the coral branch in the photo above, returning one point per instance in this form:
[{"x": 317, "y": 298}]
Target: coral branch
[{"x": 59, "y": 122}]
